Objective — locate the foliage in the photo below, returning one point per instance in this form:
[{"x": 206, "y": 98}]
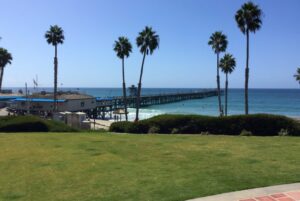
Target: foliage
[
  {"x": 248, "y": 17},
  {"x": 122, "y": 47},
  {"x": 257, "y": 124},
  {"x": 55, "y": 35},
  {"x": 31, "y": 124},
  {"x": 246, "y": 133},
  {"x": 218, "y": 42},
  {"x": 227, "y": 63},
  {"x": 153, "y": 130},
  {"x": 147, "y": 40},
  {"x": 297, "y": 75},
  {"x": 5, "y": 57},
  {"x": 283, "y": 132}
]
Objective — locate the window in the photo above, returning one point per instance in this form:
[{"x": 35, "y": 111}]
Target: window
[{"x": 82, "y": 104}]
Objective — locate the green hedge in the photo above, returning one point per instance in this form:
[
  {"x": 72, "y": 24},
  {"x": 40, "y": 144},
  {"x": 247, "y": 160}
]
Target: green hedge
[
  {"x": 257, "y": 124},
  {"x": 31, "y": 124}
]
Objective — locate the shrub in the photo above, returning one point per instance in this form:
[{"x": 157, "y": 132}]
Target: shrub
[
  {"x": 153, "y": 130},
  {"x": 204, "y": 133},
  {"x": 257, "y": 124},
  {"x": 31, "y": 124},
  {"x": 120, "y": 127},
  {"x": 283, "y": 132},
  {"x": 175, "y": 131},
  {"x": 246, "y": 133}
]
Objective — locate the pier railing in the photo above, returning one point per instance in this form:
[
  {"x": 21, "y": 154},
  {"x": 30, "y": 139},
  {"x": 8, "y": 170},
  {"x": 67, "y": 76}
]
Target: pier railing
[{"x": 157, "y": 99}]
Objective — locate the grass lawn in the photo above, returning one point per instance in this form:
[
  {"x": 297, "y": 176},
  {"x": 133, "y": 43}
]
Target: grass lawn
[{"x": 112, "y": 167}]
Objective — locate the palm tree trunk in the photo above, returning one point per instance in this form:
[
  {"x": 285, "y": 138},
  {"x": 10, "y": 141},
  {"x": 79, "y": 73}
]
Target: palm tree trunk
[
  {"x": 247, "y": 75},
  {"x": 55, "y": 80},
  {"x": 138, "y": 97},
  {"x": 124, "y": 91},
  {"x": 218, "y": 85},
  {"x": 226, "y": 93},
  {"x": 1, "y": 78}
]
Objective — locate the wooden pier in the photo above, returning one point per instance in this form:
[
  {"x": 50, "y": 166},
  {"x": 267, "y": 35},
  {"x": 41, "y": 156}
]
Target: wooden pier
[{"x": 148, "y": 100}]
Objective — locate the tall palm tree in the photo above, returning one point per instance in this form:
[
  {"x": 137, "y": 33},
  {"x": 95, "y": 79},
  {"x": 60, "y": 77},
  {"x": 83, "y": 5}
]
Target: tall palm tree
[
  {"x": 227, "y": 64},
  {"x": 55, "y": 36},
  {"x": 147, "y": 41},
  {"x": 248, "y": 19},
  {"x": 5, "y": 58},
  {"x": 123, "y": 48},
  {"x": 297, "y": 75},
  {"x": 218, "y": 42}
]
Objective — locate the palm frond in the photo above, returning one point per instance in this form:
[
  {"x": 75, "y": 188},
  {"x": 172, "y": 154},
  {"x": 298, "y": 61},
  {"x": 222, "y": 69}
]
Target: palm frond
[
  {"x": 297, "y": 75},
  {"x": 5, "y": 57},
  {"x": 55, "y": 35},
  {"x": 218, "y": 42},
  {"x": 122, "y": 47},
  {"x": 227, "y": 63},
  {"x": 147, "y": 40},
  {"x": 248, "y": 17}
]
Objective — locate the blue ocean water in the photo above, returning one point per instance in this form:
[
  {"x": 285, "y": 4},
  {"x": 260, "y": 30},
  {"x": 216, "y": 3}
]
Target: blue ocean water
[{"x": 273, "y": 101}]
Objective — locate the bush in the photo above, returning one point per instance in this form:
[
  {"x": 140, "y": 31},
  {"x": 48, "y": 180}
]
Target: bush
[
  {"x": 283, "y": 132},
  {"x": 246, "y": 133},
  {"x": 31, "y": 124},
  {"x": 257, "y": 124},
  {"x": 153, "y": 130}
]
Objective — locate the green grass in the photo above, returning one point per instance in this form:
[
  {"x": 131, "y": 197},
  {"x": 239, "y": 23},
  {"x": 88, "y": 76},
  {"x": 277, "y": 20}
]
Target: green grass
[{"x": 112, "y": 167}]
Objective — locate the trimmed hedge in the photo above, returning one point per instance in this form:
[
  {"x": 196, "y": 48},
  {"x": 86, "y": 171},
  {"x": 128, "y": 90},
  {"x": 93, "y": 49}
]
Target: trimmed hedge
[
  {"x": 257, "y": 124},
  {"x": 31, "y": 124}
]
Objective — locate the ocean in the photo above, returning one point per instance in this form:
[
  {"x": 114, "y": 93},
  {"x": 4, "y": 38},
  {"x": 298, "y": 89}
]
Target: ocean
[{"x": 272, "y": 101}]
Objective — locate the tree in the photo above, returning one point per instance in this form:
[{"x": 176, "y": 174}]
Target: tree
[
  {"x": 123, "y": 48},
  {"x": 218, "y": 42},
  {"x": 55, "y": 36},
  {"x": 297, "y": 75},
  {"x": 227, "y": 64},
  {"x": 147, "y": 41},
  {"x": 5, "y": 58},
  {"x": 248, "y": 19}
]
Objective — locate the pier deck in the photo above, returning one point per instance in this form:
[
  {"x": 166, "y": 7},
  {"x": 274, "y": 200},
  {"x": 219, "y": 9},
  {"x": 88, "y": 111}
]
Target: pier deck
[{"x": 158, "y": 99}]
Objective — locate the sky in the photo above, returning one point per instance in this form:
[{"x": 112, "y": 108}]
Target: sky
[{"x": 183, "y": 60}]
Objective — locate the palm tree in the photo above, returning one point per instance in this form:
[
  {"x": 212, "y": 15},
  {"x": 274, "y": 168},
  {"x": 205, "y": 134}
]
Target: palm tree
[
  {"x": 55, "y": 36},
  {"x": 5, "y": 58},
  {"x": 218, "y": 42},
  {"x": 147, "y": 41},
  {"x": 297, "y": 75},
  {"x": 227, "y": 64},
  {"x": 248, "y": 19},
  {"x": 123, "y": 48}
]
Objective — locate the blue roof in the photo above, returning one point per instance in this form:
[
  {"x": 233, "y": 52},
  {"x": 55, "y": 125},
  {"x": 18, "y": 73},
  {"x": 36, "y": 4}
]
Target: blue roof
[
  {"x": 8, "y": 97},
  {"x": 48, "y": 100},
  {"x": 103, "y": 99}
]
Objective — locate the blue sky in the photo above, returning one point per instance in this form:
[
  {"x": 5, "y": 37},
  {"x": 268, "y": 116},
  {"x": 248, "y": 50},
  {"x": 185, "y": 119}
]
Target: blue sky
[{"x": 184, "y": 59}]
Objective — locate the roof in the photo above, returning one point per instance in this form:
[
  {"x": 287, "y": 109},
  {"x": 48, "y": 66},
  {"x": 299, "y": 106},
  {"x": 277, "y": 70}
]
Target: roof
[
  {"x": 47, "y": 100},
  {"x": 8, "y": 97},
  {"x": 65, "y": 96}
]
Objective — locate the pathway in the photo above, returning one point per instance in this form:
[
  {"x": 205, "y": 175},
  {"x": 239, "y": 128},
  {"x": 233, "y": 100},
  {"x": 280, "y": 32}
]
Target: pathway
[{"x": 288, "y": 192}]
